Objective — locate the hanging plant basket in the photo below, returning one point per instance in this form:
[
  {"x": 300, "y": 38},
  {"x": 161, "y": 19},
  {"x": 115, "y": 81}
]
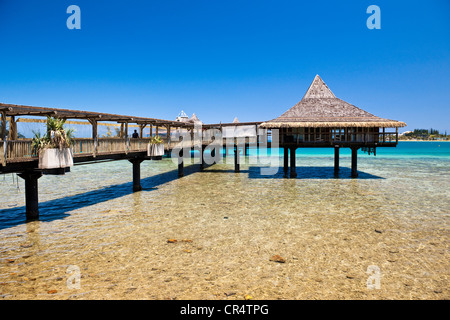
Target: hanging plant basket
[
  {"x": 53, "y": 158},
  {"x": 54, "y": 148},
  {"x": 155, "y": 148}
]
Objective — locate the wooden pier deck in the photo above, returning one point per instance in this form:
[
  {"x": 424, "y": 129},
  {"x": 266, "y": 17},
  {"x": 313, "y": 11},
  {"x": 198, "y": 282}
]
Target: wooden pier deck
[{"x": 17, "y": 155}]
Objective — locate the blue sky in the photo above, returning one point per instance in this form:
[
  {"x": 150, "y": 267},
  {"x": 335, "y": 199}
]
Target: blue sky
[{"x": 224, "y": 59}]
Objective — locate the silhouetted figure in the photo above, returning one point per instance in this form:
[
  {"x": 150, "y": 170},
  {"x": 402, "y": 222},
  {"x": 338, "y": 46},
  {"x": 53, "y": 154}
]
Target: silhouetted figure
[{"x": 135, "y": 134}]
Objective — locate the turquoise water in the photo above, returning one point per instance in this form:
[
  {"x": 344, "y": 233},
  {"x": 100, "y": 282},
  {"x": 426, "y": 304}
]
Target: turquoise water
[
  {"x": 406, "y": 149},
  {"x": 113, "y": 179},
  {"x": 394, "y": 216}
]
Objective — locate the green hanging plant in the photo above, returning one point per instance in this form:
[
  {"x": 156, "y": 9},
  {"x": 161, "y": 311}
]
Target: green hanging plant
[
  {"x": 156, "y": 140},
  {"x": 55, "y": 137}
]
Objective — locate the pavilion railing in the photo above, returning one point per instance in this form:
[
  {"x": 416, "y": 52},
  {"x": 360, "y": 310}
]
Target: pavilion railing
[{"x": 347, "y": 136}]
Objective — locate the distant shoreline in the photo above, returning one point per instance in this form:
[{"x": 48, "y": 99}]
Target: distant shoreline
[{"x": 423, "y": 140}]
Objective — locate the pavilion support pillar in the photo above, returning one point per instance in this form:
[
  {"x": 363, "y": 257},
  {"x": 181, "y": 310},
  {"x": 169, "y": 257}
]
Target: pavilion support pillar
[
  {"x": 286, "y": 161},
  {"x": 136, "y": 173},
  {"x": 354, "y": 162},
  {"x": 336, "y": 160},
  {"x": 293, "y": 173},
  {"x": 31, "y": 194}
]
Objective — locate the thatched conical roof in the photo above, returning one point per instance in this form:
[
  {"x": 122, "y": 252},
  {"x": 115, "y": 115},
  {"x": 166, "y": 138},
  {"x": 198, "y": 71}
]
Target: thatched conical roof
[
  {"x": 235, "y": 120},
  {"x": 319, "y": 107}
]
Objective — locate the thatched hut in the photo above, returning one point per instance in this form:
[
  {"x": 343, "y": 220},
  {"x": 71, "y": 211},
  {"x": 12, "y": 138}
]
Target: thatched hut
[{"x": 322, "y": 120}]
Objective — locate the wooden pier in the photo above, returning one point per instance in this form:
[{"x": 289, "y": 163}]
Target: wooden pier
[
  {"x": 320, "y": 120},
  {"x": 18, "y": 156}
]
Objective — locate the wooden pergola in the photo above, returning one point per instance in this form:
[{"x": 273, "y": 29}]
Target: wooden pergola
[{"x": 12, "y": 111}]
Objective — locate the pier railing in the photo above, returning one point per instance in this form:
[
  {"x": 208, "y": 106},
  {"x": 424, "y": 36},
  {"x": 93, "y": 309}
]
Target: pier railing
[
  {"x": 22, "y": 150},
  {"x": 17, "y": 150},
  {"x": 83, "y": 146}
]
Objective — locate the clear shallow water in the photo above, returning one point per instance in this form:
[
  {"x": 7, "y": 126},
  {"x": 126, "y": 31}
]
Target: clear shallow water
[{"x": 394, "y": 216}]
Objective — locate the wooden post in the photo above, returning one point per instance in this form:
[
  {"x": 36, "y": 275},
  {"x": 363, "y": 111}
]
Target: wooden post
[
  {"x": 141, "y": 130},
  {"x": 286, "y": 161},
  {"x": 3, "y": 129},
  {"x": 168, "y": 136},
  {"x": 126, "y": 137},
  {"x": 121, "y": 131},
  {"x": 31, "y": 194},
  {"x": 94, "y": 135},
  {"x": 151, "y": 130},
  {"x": 293, "y": 173},
  {"x": 336, "y": 160},
  {"x": 136, "y": 174},
  {"x": 354, "y": 162},
  {"x": 12, "y": 128},
  {"x": 156, "y": 130}
]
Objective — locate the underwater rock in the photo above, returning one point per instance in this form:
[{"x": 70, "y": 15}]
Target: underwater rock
[{"x": 277, "y": 258}]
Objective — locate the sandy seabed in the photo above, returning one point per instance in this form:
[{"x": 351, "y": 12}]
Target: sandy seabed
[{"x": 330, "y": 232}]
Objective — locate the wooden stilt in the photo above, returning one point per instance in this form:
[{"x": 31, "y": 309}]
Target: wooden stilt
[
  {"x": 354, "y": 162},
  {"x": 31, "y": 194},
  {"x": 336, "y": 160},
  {"x": 136, "y": 174},
  {"x": 293, "y": 172},
  {"x": 286, "y": 161}
]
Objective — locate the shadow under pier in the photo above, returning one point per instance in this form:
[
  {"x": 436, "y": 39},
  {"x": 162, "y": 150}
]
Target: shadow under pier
[{"x": 59, "y": 208}]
